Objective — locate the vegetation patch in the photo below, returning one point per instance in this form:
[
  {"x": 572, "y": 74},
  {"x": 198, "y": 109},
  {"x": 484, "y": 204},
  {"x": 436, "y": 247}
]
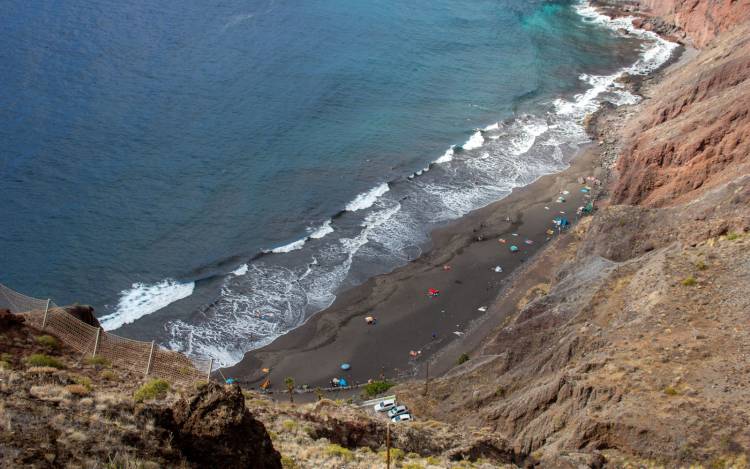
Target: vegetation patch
[
  {"x": 396, "y": 454},
  {"x": 671, "y": 391},
  {"x": 77, "y": 390},
  {"x": 288, "y": 463},
  {"x": 689, "y": 282},
  {"x": 700, "y": 265},
  {"x": 47, "y": 341},
  {"x": 378, "y": 387},
  {"x": 84, "y": 381},
  {"x": 339, "y": 451},
  {"x": 98, "y": 361},
  {"x": 463, "y": 358},
  {"x": 154, "y": 389},
  {"x": 40, "y": 359},
  {"x": 289, "y": 425}
]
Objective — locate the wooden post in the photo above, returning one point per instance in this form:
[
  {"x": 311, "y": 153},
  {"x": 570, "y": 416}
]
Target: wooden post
[
  {"x": 96, "y": 342},
  {"x": 210, "y": 367},
  {"x": 427, "y": 377},
  {"x": 150, "y": 358},
  {"x": 46, "y": 312},
  {"x": 388, "y": 445}
]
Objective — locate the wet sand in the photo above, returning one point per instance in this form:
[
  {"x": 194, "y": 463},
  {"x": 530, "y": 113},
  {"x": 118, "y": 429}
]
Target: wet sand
[{"x": 407, "y": 317}]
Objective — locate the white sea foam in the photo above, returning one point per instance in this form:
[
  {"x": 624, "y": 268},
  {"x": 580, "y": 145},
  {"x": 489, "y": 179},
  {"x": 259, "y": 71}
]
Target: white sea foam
[
  {"x": 474, "y": 142},
  {"x": 531, "y": 128},
  {"x": 656, "y": 51},
  {"x": 447, "y": 156},
  {"x": 241, "y": 270},
  {"x": 494, "y": 126},
  {"x": 366, "y": 199},
  {"x": 293, "y": 246},
  {"x": 322, "y": 230},
  {"x": 142, "y": 300}
]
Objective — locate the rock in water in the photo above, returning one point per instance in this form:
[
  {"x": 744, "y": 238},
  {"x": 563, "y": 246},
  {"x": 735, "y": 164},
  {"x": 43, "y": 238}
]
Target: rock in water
[{"x": 216, "y": 430}]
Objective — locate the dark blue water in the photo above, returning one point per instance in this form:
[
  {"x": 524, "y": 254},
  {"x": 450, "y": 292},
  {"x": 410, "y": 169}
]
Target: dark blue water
[{"x": 148, "y": 149}]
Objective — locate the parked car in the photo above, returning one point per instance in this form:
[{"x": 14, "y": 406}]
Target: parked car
[
  {"x": 382, "y": 406},
  {"x": 397, "y": 411},
  {"x": 401, "y": 418}
]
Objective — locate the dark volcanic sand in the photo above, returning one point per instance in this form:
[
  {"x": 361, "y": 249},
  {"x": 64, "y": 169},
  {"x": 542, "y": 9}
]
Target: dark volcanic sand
[{"x": 406, "y": 315}]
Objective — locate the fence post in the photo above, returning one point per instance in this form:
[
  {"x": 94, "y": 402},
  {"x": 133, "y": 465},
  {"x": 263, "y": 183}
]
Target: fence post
[
  {"x": 388, "y": 445},
  {"x": 150, "y": 358},
  {"x": 46, "y": 311},
  {"x": 96, "y": 342},
  {"x": 210, "y": 367}
]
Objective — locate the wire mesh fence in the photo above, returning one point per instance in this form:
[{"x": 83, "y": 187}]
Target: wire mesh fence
[{"x": 134, "y": 355}]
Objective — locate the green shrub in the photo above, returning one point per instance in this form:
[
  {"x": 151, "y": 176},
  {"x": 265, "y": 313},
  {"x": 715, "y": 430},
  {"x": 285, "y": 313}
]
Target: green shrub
[
  {"x": 339, "y": 451},
  {"x": 289, "y": 425},
  {"x": 288, "y": 463},
  {"x": 670, "y": 391},
  {"x": 108, "y": 374},
  {"x": 700, "y": 265},
  {"x": 98, "y": 361},
  {"x": 40, "y": 359},
  {"x": 378, "y": 387},
  {"x": 84, "y": 381},
  {"x": 396, "y": 454},
  {"x": 733, "y": 236},
  {"x": 463, "y": 358},
  {"x": 154, "y": 389},
  {"x": 48, "y": 341},
  {"x": 689, "y": 282}
]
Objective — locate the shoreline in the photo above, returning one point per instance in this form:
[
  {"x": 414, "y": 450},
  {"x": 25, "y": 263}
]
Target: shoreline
[{"x": 407, "y": 318}]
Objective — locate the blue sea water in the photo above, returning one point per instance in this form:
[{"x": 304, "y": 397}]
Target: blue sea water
[{"x": 209, "y": 174}]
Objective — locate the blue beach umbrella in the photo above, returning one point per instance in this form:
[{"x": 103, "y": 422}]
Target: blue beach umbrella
[
  {"x": 345, "y": 366},
  {"x": 513, "y": 248}
]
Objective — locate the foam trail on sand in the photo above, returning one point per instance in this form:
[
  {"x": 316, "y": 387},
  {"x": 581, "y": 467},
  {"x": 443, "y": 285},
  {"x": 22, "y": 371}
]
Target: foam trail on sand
[
  {"x": 142, "y": 300},
  {"x": 366, "y": 199}
]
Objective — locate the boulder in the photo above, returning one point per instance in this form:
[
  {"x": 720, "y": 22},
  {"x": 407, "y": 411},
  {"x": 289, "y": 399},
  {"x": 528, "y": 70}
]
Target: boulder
[
  {"x": 83, "y": 312},
  {"x": 214, "y": 429}
]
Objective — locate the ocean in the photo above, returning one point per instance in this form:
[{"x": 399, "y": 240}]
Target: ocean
[{"x": 210, "y": 174}]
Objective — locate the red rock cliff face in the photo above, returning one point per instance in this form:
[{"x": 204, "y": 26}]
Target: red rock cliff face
[
  {"x": 694, "y": 131},
  {"x": 701, "y": 20}
]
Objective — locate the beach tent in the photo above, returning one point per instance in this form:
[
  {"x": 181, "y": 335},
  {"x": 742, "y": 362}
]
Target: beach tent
[
  {"x": 370, "y": 320},
  {"x": 513, "y": 248},
  {"x": 343, "y": 382},
  {"x": 231, "y": 380},
  {"x": 433, "y": 292},
  {"x": 345, "y": 366}
]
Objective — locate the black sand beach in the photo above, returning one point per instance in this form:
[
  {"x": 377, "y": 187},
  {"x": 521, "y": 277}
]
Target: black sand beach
[{"x": 408, "y": 319}]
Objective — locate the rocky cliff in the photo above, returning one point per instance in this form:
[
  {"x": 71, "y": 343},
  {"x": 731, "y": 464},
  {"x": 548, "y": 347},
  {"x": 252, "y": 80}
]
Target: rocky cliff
[
  {"x": 693, "y": 132},
  {"x": 699, "y": 20}
]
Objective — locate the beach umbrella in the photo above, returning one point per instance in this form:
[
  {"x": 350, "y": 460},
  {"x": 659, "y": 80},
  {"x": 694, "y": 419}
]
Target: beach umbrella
[
  {"x": 345, "y": 366},
  {"x": 369, "y": 319},
  {"x": 343, "y": 382},
  {"x": 513, "y": 248}
]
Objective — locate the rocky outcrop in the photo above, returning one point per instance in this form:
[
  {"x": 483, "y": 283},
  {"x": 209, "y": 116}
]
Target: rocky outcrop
[
  {"x": 213, "y": 428},
  {"x": 700, "y": 20},
  {"x": 694, "y": 131},
  {"x": 84, "y": 313}
]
